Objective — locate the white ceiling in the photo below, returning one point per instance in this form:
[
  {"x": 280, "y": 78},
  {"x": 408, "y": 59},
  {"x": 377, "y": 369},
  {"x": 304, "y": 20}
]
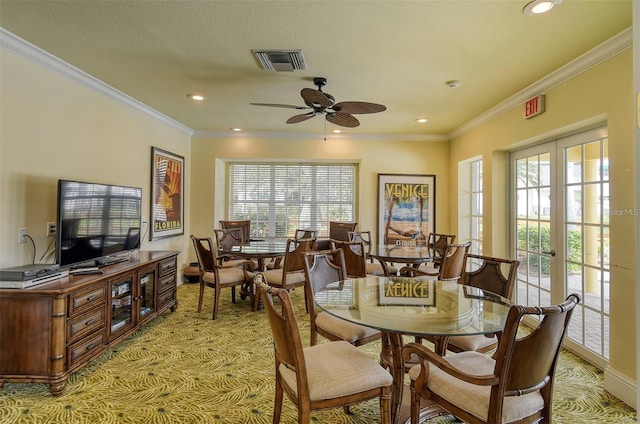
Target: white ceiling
[{"x": 398, "y": 53}]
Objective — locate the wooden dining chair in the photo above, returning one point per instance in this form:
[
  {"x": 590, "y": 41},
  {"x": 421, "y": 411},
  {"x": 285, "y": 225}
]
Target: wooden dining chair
[
  {"x": 322, "y": 269},
  {"x": 302, "y": 233},
  {"x": 276, "y": 263},
  {"x": 354, "y": 257},
  {"x": 327, "y": 375},
  {"x": 340, "y": 230},
  {"x": 373, "y": 268},
  {"x": 437, "y": 243},
  {"x": 217, "y": 276},
  {"x": 244, "y": 225},
  {"x": 495, "y": 275},
  {"x": 452, "y": 265},
  {"x": 516, "y": 385},
  {"x": 291, "y": 274},
  {"x": 226, "y": 240}
]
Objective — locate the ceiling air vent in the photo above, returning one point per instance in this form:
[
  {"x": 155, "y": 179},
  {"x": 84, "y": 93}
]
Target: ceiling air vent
[{"x": 281, "y": 60}]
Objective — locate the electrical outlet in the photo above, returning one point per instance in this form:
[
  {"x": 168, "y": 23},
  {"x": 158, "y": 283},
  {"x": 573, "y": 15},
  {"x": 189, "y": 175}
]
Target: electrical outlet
[
  {"x": 22, "y": 233},
  {"x": 51, "y": 228}
]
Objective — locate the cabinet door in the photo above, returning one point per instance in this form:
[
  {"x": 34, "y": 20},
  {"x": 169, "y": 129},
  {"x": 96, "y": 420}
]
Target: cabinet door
[
  {"x": 121, "y": 299},
  {"x": 146, "y": 299}
]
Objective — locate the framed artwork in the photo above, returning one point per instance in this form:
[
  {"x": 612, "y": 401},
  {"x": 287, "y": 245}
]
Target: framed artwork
[
  {"x": 167, "y": 194},
  {"x": 406, "y": 209}
]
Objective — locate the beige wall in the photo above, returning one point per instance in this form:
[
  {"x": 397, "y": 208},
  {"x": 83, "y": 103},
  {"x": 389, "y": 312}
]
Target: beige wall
[
  {"x": 388, "y": 156},
  {"x": 52, "y": 127},
  {"x": 602, "y": 94}
]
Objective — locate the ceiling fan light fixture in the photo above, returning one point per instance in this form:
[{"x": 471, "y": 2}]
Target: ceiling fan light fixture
[
  {"x": 196, "y": 97},
  {"x": 537, "y": 7}
]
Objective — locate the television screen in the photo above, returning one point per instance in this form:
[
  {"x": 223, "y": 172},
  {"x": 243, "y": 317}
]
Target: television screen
[{"x": 96, "y": 221}]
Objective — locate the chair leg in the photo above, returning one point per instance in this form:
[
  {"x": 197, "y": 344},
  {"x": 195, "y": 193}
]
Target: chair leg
[
  {"x": 277, "y": 404},
  {"x": 233, "y": 294},
  {"x": 216, "y": 300},
  {"x": 385, "y": 405},
  {"x": 201, "y": 295},
  {"x": 415, "y": 406}
]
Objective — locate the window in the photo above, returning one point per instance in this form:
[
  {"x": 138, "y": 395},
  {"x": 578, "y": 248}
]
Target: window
[
  {"x": 470, "y": 206},
  {"x": 279, "y": 198}
]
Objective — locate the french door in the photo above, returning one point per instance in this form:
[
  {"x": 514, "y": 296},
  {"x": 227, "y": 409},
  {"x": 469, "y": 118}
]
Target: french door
[{"x": 560, "y": 215}]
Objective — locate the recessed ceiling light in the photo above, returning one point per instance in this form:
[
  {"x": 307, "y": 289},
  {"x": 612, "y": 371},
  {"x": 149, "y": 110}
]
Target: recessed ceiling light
[
  {"x": 196, "y": 97},
  {"x": 536, "y": 7},
  {"x": 337, "y": 131},
  {"x": 236, "y": 129},
  {"x": 422, "y": 120}
]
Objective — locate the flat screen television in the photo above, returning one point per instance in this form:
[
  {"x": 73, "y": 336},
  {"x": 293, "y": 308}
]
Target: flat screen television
[{"x": 96, "y": 222}]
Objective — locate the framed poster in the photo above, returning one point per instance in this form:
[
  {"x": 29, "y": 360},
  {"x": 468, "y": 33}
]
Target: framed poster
[
  {"x": 167, "y": 194},
  {"x": 406, "y": 209}
]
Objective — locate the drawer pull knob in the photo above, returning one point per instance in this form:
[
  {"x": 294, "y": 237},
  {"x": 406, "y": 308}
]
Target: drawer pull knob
[{"x": 90, "y": 322}]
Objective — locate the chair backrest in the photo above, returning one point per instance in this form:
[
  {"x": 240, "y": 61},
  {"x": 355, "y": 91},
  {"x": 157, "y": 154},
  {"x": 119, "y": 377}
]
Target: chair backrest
[
  {"x": 355, "y": 257},
  {"x": 363, "y": 236},
  {"x": 453, "y": 261},
  {"x": 245, "y": 225},
  {"x": 305, "y": 234},
  {"x": 284, "y": 329},
  {"x": 527, "y": 364},
  {"x": 206, "y": 253},
  {"x": 324, "y": 267},
  {"x": 293, "y": 260},
  {"x": 340, "y": 230},
  {"x": 490, "y": 274},
  {"x": 437, "y": 242},
  {"x": 321, "y": 269},
  {"x": 226, "y": 238}
]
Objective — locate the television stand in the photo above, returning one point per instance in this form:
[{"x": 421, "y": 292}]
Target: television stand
[{"x": 49, "y": 331}]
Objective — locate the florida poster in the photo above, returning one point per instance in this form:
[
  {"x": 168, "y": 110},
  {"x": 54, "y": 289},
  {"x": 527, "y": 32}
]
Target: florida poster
[
  {"x": 167, "y": 203},
  {"x": 406, "y": 209}
]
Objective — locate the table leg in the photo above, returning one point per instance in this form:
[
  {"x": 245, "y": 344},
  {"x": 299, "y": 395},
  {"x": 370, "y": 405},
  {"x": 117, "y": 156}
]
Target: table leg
[
  {"x": 392, "y": 349},
  {"x": 391, "y": 357}
]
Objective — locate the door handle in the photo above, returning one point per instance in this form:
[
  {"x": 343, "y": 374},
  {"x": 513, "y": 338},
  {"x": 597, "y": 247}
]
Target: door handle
[{"x": 550, "y": 252}]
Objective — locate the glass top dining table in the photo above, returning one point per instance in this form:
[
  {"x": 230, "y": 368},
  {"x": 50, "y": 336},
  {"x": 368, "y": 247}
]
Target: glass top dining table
[
  {"x": 400, "y": 306},
  {"x": 410, "y": 255},
  {"x": 261, "y": 249}
]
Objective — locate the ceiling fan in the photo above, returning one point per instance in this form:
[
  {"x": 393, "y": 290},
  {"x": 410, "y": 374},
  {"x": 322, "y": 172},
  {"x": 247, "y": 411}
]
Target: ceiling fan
[{"x": 320, "y": 103}]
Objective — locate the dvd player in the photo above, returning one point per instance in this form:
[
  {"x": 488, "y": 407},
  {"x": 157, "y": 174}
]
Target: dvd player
[
  {"x": 28, "y": 272},
  {"x": 33, "y": 282}
]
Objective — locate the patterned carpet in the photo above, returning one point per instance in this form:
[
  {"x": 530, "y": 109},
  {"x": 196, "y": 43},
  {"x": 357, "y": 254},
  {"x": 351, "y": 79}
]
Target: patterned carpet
[{"x": 186, "y": 368}]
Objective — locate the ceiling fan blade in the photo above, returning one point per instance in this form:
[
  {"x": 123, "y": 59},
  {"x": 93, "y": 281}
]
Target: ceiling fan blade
[
  {"x": 358, "y": 107},
  {"x": 343, "y": 119},
  {"x": 299, "y": 118},
  {"x": 316, "y": 97},
  {"x": 279, "y": 105}
]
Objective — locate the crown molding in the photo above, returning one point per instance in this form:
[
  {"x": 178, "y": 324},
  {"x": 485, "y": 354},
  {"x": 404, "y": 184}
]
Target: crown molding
[
  {"x": 29, "y": 51},
  {"x": 320, "y": 136},
  {"x": 600, "y": 53}
]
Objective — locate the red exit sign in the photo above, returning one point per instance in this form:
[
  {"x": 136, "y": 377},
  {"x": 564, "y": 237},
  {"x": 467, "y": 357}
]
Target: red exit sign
[{"x": 534, "y": 106}]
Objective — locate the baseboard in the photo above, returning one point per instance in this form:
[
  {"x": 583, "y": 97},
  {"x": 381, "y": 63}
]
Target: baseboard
[{"x": 621, "y": 386}]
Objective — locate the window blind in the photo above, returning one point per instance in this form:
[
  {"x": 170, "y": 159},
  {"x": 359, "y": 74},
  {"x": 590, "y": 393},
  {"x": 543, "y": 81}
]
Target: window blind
[{"x": 279, "y": 198}]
